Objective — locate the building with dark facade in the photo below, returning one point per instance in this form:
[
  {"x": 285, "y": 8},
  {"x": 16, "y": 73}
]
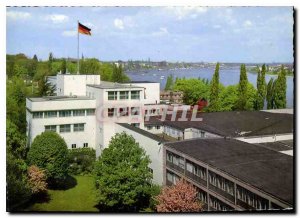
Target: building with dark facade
[{"x": 232, "y": 175}]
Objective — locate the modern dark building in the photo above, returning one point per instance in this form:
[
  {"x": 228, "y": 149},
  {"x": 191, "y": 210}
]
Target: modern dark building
[{"x": 232, "y": 175}]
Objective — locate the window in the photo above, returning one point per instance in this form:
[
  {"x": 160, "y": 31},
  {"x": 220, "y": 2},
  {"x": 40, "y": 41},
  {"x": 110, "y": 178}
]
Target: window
[
  {"x": 135, "y": 111},
  {"x": 112, "y": 95},
  {"x": 78, "y": 113},
  {"x": 73, "y": 145},
  {"x": 65, "y": 128},
  {"x": 37, "y": 114},
  {"x": 172, "y": 177},
  {"x": 157, "y": 127},
  {"x": 50, "y": 128},
  {"x": 135, "y": 94},
  {"x": 64, "y": 113},
  {"x": 123, "y": 111},
  {"x": 153, "y": 111},
  {"x": 149, "y": 127},
  {"x": 202, "y": 134},
  {"x": 85, "y": 145},
  {"x": 124, "y": 95},
  {"x": 79, "y": 127},
  {"x": 137, "y": 125},
  {"x": 111, "y": 112},
  {"x": 50, "y": 114},
  {"x": 90, "y": 112}
]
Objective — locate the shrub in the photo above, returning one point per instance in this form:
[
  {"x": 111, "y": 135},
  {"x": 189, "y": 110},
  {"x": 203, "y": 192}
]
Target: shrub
[
  {"x": 81, "y": 161},
  {"x": 37, "y": 180},
  {"x": 49, "y": 152}
]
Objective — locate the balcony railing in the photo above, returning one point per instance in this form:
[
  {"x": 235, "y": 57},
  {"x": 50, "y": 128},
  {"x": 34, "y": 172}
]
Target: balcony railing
[
  {"x": 196, "y": 178},
  {"x": 221, "y": 192},
  {"x": 175, "y": 167}
]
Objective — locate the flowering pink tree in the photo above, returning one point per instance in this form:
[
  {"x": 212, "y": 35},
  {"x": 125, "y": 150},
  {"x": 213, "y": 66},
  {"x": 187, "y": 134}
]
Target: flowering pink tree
[
  {"x": 181, "y": 197},
  {"x": 37, "y": 179}
]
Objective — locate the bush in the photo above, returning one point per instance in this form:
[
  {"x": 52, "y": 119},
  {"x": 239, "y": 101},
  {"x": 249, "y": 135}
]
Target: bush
[
  {"x": 37, "y": 180},
  {"x": 81, "y": 161},
  {"x": 49, "y": 152}
]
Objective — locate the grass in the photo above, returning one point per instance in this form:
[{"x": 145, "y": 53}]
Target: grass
[{"x": 80, "y": 198}]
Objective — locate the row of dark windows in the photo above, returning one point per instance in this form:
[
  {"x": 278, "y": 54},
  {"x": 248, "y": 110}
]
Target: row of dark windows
[
  {"x": 124, "y": 111},
  {"x": 85, "y": 145},
  {"x": 77, "y": 127},
  {"x": 123, "y": 95},
  {"x": 63, "y": 113}
]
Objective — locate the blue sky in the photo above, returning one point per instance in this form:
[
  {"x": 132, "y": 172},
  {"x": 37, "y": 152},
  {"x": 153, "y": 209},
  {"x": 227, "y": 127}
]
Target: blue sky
[{"x": 225, "y": 34}]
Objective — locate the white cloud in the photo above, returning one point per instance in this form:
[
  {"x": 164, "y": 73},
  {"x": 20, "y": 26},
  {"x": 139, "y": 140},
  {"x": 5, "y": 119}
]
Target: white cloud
[
  {"x": 187, "y": 11},
  {"x": 57, "y": 18},
  {"x": 247, "y": 23},
  {"x": 162, "y": 31},
  {"x": 216, "y": 26},
  {"x": 119, "y": 23},
  {"x": 69, "y": 33},
  {"x": 15, "y": 15}
]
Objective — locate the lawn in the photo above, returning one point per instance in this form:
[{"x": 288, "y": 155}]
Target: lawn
[{"x": 80, "y": 198}]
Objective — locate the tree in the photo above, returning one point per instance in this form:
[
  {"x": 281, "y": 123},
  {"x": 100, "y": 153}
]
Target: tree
[
  {"x": 242, "y": 89},
  {"x": 37, "y": 180},
  {"x": 45, "y": 88},
  {"x": 89, "y": 66},
  {"x": 261, "y": 88},
  {"x": 63, "y": 66},
  {"x": 280, "y": 90},
  {"x": 50, "y": 60},
  {"x": 214, "y": 102},
  {"x": 229, "y": 96},
  {"x": 181, "y": 197},
  {"x": 270, "y": 94},
  {"x": 122, "y": 175},
  {"x": 49, "y": 152},
  {"x": 118, "y": 75},
  {"x": 169, "y": 83},
  {"x": 35, "y": 58}
]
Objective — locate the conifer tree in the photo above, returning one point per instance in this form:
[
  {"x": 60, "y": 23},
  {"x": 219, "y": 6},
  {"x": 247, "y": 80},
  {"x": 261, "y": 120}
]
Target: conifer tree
[
  {"x": 280, "y": 90},
  {"x": 169, "y": 83},
  {"x": 63, "y": 66},
  {"x": 270, "y": 94},
  {"x": 242, "y": 89},
  {"x": 214, "y": 91},
  {"x": 261, "y": 88}
]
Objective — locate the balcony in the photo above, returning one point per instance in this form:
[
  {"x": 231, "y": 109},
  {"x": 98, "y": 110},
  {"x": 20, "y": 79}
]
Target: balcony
[
  {"x": 175, "y": 167},
  {"x": 196, "y": 178},
  {"x": 221, "y": 192}
]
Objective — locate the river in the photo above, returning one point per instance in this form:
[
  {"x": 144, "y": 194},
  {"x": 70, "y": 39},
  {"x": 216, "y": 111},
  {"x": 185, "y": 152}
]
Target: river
[{"x": 228, "y": 76}]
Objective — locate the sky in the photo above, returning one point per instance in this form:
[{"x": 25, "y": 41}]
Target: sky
[{"x": 189, "y": 34}]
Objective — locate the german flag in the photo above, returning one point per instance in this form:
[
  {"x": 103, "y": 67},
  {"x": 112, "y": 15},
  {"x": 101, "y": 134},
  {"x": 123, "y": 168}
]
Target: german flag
[{"x": 83, "y": 29}]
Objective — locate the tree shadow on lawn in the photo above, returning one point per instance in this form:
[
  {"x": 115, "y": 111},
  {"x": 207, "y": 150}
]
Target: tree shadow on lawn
[{"x": 68, "y": 183}]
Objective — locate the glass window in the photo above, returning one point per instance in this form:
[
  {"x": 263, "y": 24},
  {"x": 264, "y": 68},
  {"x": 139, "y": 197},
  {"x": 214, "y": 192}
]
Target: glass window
[
  {"x": 64, "y": 113},
  {"x": 135, "y": 111},
  {"x": 90, "y": 112},
  {"x": 135, "y": 94},
  {"x": 50, "y": 114},
  {"x": 78, "y": 113},
  {"x": 73, "y": 145},
  {"x": 50, "y": 128},
  {"x": 65, "y": 128},
  {"x": 37, "y": 114},
  {"x": 111, "y": 112},
  {"x": 79, "y": 127},
  {"x": 85, "y": 145},
  {"x": 124, "y": 95},
  {"x": 123, "y": 111},
  {"x": 157, "y": 127},
  {"x": 112, "y": 95},
  {"x": 202, "y": 134},
  {"x": 149, "y": 127}
]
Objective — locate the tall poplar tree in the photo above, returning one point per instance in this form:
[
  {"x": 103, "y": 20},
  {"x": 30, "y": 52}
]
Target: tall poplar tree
[
  {"x": 280, "y": 90},
  {"x": 214, "y": 104},
  {"x": 242, "y": 89},
  {"x": 63, "y": 66},
  {"x": 169, "y": 83},
  {"x": 261, "y": 88},
  {"x": 270, "y": 94}
]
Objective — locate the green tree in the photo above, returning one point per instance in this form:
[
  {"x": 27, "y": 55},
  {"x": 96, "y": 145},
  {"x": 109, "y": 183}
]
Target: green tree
[
  {"x": 35, "y": 58},
  {"x": 214, "y": 102},
  {"x": 49, "y": 152},
  {"x": 118, "y": 75},
  {"x": 242, "y": 89},
  {"x": 270, "y": 94},
  {"x": 45, "y": 88},
  {"x": 169, "y": 83},
  {"x": 280, "y": 90},
  {"x": 50, "y": 61},
  {"x": 229, "y": 96},
  {"x": 63, "y": 66},
  {"x": 89, "y": 66},
  {"x": 122, "y": 175},
  {"x": 261, "y": 88}
]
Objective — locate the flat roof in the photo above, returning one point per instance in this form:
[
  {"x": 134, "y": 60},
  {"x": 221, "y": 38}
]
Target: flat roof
[
  {"x": 233, "y": 123},
  {"x": 257, "y": 166},
  {"x": 59, "y": 98},
  {"x": 142, "y": 132},
  {"x": 284, "y": 145},
  {"x": 140, "y": 82},
  {"x": 111, "y": 85}
]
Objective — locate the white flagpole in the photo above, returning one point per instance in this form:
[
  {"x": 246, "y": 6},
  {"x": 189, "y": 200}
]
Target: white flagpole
[{"x": 77, "y": 47}]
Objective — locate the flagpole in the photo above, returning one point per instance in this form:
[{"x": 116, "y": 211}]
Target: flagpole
[{"x": 77, "y": 47}]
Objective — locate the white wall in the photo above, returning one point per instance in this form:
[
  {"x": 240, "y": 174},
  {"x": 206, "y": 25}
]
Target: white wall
[
  {"x": 152, "y": 92},
  {"x": 152, "y": 148},
  {"x": 175, "y": 133},
  {"x": 264, "y": 139},
  {"x": 191, "y": 133}
]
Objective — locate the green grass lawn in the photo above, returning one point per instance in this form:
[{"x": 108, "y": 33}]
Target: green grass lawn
[{"x": 81, "y": 198}]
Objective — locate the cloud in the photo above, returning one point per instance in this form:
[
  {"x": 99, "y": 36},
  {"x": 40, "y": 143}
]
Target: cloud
[
  {"x": 16, "y": 15},
  {"x": 69, "y": 33},
  {"x": 162, "y": 31},
  {"x": 57, "y": 18},
  {"x": 119, "y": 23},
  {"x": 187, "y": 11},
  {"x": 247, "y": 23},
  {"x": 216, "y": 26}
]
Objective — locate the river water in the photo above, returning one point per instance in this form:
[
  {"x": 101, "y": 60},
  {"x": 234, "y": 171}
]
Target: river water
[{"x": 228, "y": 76}]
